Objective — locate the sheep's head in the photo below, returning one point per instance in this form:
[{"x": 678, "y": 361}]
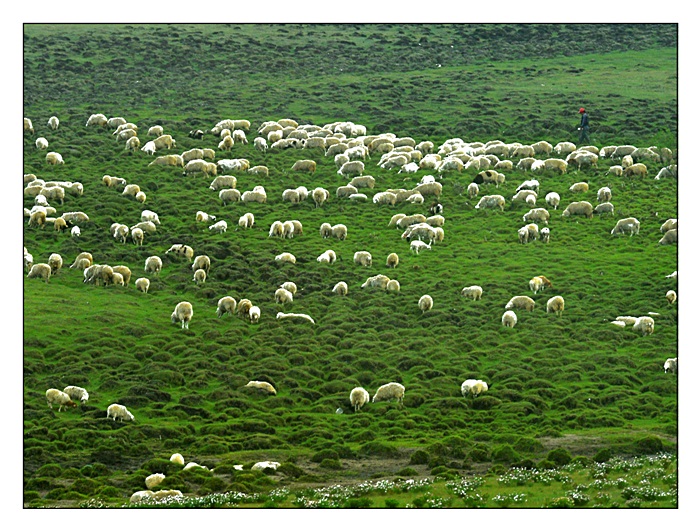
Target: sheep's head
[{"x": 70, "y": 403}]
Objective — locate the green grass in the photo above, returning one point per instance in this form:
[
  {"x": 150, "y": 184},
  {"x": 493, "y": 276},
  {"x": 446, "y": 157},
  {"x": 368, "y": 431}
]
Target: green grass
[{"x": 575, "y": 382}]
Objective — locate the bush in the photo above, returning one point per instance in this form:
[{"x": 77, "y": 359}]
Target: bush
[
  {"x": 333, "y": 464},
  {"x": 648, "y": 445},
  {"x": 504, "y": 454},
  {"x": 546, "y": 464},
  {"x": 290, "y": 469},
  {"x": 391, "y": 503},
  {"x": 603, "y": 455},
  {"x": 479, "y": 455},
  {"x": 407, "y": 471},
  {"x": 324, "y": 454},
  {"x": 358, "y": 503},
  {"x": 378, "y": 449},
  {"x": 559, "y": 456},
  {"x": 419, "y": 457}
]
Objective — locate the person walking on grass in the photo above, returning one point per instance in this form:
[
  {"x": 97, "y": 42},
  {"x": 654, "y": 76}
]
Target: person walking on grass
[{"x": 583, "y": 136}]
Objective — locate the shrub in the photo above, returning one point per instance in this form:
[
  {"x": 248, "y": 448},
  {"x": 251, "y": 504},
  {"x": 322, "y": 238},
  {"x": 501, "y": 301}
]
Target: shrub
[
  {"x": 389, "y": 503},
  {"x": 648, "y": 445},
  {"x": 504, "y": 454},
  {"x": 290, "y": 469},
  {"x": 358, "y": 503},
  {"x": 546, "y": 464},
  {"x": 378, "y": 449},
  {"x": 407, "y": 471},
  {"x": 333, "y": 464},
  {"x": 419, "y": 457},
  {"x": 559, "y": 456},
  {"x": 324, "y": 454},
  {"x": 603, "y": 455}
]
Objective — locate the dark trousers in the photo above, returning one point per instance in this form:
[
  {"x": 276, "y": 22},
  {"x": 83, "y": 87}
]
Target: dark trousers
[{"x": 583, "y": 136}]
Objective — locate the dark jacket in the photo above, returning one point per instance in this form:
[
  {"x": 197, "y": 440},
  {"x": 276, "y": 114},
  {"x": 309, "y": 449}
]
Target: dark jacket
[{"x": 584, "y": 120}]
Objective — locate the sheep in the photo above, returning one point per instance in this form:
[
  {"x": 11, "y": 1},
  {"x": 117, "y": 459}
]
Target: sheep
[
  {"x": 556, "y": 305},
  {"x": 153, "y": 265},
  {"x": 489, "y": 177},
  {"x": 564, "y": 148},
  {"x": 225, "y": 305},
  {"x": 523, "y": 235},
  {"x": 320, "y": 196},
  {"x": 532, "y": 232},
  {"x": 421, "y": 231},
  {"x": 117, "y": 411},
  {"x": 276, "y": 230},
  {"x": 429, "y": 189},
  {"x": 522, "y": 302},
  {"x": 219, "y": 227},
  {"x": 644, "y": 325},
  {"x": 377, "y": 281},
  {"x": 537, "y": 214},
  {"x": 604, "y": 208},
  {"x": 626, "y": 225},
  {"x": 579, "y": 187},
  {"x": 97, "y": 119},
  {"x": 37, "y": 219},
  {"x": 98, "y": 274},
  {"x": 671, "y": 236},
  {"x": 390, "y": 391},
  {"x": 246, "y": 221},
  {"x": 113, "y": 182},
  {"x": 154, "y": 480},
  {"x": 509, "y": 319},
  {"x": 472, "y": 292},
  {"x": 55, "y": 396},
  {"x": 142, "y": 284},
  {"x": 341, "y": 288},
  {"x": 53, "y": 158},
  {"x": 262, "y": 465},
  {"x": 41, "y": 143},
  {"x": 473, "y": 388},
  {"x": 671, "y": 365},
  {"x": 392, "y": 260},
  {"x": 578, "y": 208},
  {"x": 363, "y": 258},
  {"x": 425, "y": 303},
  {"x": 119, "y": 231},
  {"x": 291, "y": 195},
  {"x": 670, "y": 171},
  {"x": 149, "y": 215},
  {"x": 304, "y": 165},
  {"x": 260, "y": 144},
  {"x": 418, "y": 245},
  {"x": 75, "y": 232},
  {"x": 302, "y": 316},
  {"x": 327, "y": 257},
  {"x": 117, "y": 279},
  {"x": 200, "y": 166},
  {"x": 544, "y": 235},
  {"x": 82, "y": 256},
  {"x": 40, "y": 271},
  {"x": 148, "y": 227},
  {"x": 200, "y": 276},
  {"x": 393, "y": 286},
  {"x": 472, "y": 190},
  {"x": 229, "y": 195},
  {"x": 29, "y": 261},
  {"x": 604, "y": 194},
  {"x": 283, "y": 296},
  {"x": 286, "y": 257},
  {"x": 384, "y": 198},
  {"x": 558, "y": 165},
  {"x": 77, "y": 394},
  {"x": 55, "y": 262},
  {"x": 669, "y": 224},
  {"x": 225, "y": 165},
  {"x": 339, "y": 231},
  {"x": 132, "y": 143},
  {"x": 523, "y": 195},
  {"x": 362, "y": 181},
  {"x": 183, "y": 313},
  {"x": 358, "y": 398},
  {"x": 28, "y": 125},
  {"x": 244, "y": 306},
  {"x": 491, "y": 201},
  {"x": 179, "y": 249},
  {"x": 638, "y": 169},
  {"x": 352, "y": 168},
  {"x": 539, "y": 284},
  {"x": 325, "y": 230},
  {"x": 671, "y": 296},
  {"x": 257, "y": 195}
]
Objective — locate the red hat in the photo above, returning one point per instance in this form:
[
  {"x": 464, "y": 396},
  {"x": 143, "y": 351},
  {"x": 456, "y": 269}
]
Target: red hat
[{"x": 581, "y": 110}]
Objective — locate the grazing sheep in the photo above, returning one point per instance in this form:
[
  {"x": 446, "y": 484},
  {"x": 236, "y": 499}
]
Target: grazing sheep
[
  {"x": 644, "y": 325},
  {"x": 302, "y": 316},
  {"x": 339, "y": 231},
  {"x": 327, "y": 257},
  {"x": 165, "y": 142},
  {"x": 304, "y": 165},
  {"x": 363, "y": 258},
  {"x": 40, "y": 271},
  {"x": 521, "y": 302},
  {"x": 256, "y": 195},
  {"x": 390, "y": 391},
  {"x": 671, "y": 365},
  {"x": 418, "y": 245},
  {"x": 177, "y": 459},
  {"x": 225, "y": 305},
  {"x": 558, "y": 165},
  {"x": 200, "y": 166},
  {"x": 97, "y": 119},
  {"x": 229, "y": 195},
  {"x": 537, "y": 214},
  {"x": 219, "y": 227},
  {"x": 117, "y": 279},
  {"x": 201, "y": 261},
  {"x": 604, "y": 194},
  {"x": 670, "y": 237},
  {"x": 341, "y": 288},
  {"x": 393, "y": 286},
  {"x": 179, "y": 249},
  {"x": 362, "y": 181},
  {"x": 509, "y": 319},
  {"x": 377, "y": 281},
  {"x": 544, "y": 235},
  {"x": 283, "y": 296},
  {"x": 254, "y": 314},
  {"x": 392, "y": 260},
  {"x": 41, "y": 143},
  {"x": 472, "y": 292},
  {"x": 669, "y": 224},
  {"x": 246, "y": 221},
  {"x": 286, "y": 257},
  {"x": 137, "y": 236},
  {"x": 358, "y": 398},
  {"x": 473, "y": 388},
  {"x": 638, "y": 169},
  {"x": 153, "y": 265},
  {"x": 472, "y": 190},
  {"x": 539, "y": 283},
  {"x": 82, "y": 256},
  {"x": 54, "y": 158},
  {"x": 183, "y": 313},
  {"x": 491, "y": 201},
  {"x": 77, "y": 394},
  {"x": 37, "y": 219},
  {"x": 384, "y": 198},
  {"x": 28, "y": 125},
  {"x": 671, "y": 296},
  {"x": 523, "y": 235},
  {"x": 142, "y": 284},
  {"x": 425, "y": 303},
  {"x": 556, "y": 305},
  {"x": 626, "y": 225},
  {"x": 670, "y": 171},
  {"x": 351, "y": 168},
  {"x": 117, "y": 411},
  {"x": 98, "y": 274},
  {"x": 168, "y": 160},
  {"x": 55, "y": 262},
  {"x": 200, "y": 276},
  {"x": 154, "y": 480},
  {"x": 578, "y": 187},
  {"x": 54, "y": 396},
  {"x": 578, "y": 208},
  {"x": 604, "y": 208}
]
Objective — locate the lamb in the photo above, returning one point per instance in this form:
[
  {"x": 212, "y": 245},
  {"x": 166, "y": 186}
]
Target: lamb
[
  {"x": 604, "y": 208},
  {"x": 473, "y": 388},
  {"x": 339, "y": 231},
  {"x": 579, "y": 208},
  {"x": 472, "y": 190},
  {"x": 491, "y": 201},
  {"x": 153, "y": 265},
  {"x": 320, "y": 196},
  {"x": 40, "y": 271},
  {"x": 41, "y": 143},
  {"x": 117, "y": 411},
  {"x": 638, "y": 169},
  {"x": 219, "y": 227},
  {"x": 425, "y": 303},
  {"x": 670, "y": 237},
  {"x": 286, "y": 257},
  {"x": 119, "y": 231},
  {"x": 149, "y": 148},
  {"x": 472, "y": 292},
  {"x": 75, "y": 232},
  {"x": 179, "y": 249},
  {"x": 305, "y": 165},
  {"x": 671, "y": 365},
  {"x": 604, "y": 194},
  {"x": 358, "y": 398},
  {"x": 556, "y": 305},
  {"x": 53, "y": 158},
  {"x": 246, "y": 221},
  {"x": 283, "y": 296},
  {"x": 363, "y": 258},
  {"x": 626, "y": 162},
  {"x": 669, "y": 224},
  {"x": 392, "y": 260},
  {"x": 626, "y": 225},
  {"x": 377, "y": 281},
  {"x": 509, "y": 319},
  {"x": 327, "y": 257},
  {"x": 77, "y": 394},
  {"x": 522, "y": 302},
  {"x": 302, "y": 316},
  {"x": 200, "y": 276},
  {"x": 579, "y": 187},
  {"x": 117, "y": 279},
  {"x": 418, "y": 245},
  {"x": 671, "y": 296},
  {"x": 524, "y": 195},
  {"x": 82, "y": 256},
  {"x": 183, "y": 313},
  {"x": 644, "y": 325},
  {"x": 544, "y": 235},
  {"x": 97, "y": 119},
  {"x": 390, "y": 391},
  {"x": 54, "y": 396},
  {"x": 142, "y": 284},
  {"x": 341, "y": 288},
  {"x": 539, "y": 284}
]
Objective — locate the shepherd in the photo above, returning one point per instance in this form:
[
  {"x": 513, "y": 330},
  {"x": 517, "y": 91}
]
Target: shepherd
[{"x": 583, "y": 128}]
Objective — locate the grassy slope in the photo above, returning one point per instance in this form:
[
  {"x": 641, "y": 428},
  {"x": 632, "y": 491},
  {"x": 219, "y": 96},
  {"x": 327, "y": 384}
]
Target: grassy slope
[{"x": 574, "y": 375}]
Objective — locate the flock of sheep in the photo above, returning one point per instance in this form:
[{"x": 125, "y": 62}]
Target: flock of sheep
[{"x": 351, "y": 149}]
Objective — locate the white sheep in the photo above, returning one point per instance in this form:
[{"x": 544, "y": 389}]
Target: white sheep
[
  {"x": 262, "y": 465},
  {"x": 302, "y": 316},
  {"x": 75, "y": 232},
  {"x": 40, "y": 271},
  {"x": 54, "y": 158},
  {"x": 179, "y": 249},
  {"x": 246, "y": 221},
  {"x": 41, "y": 143},
  {"x": 604, "y": 208},
  {"x": 149, "y": 148},
  {"x": 626, "y": 225},
  {"x": 669, "y": 224},
  {"x": 358, "y": 398},
  {"x": 286, "y": 257},
  {"x": 377, "y": 281},
  {"x": 472, "y": 292},
  {"x": 556, "y": 305},
  {"x": 671, "y": 296},
  {"x": 339, "y": 231},
  {"x": 390, "y": 391},
  {"x": 671, "y": 236},
  {"x": 55, "y": 396},
  {"x": 199, "y": 277},
  {"x": 393, "y": 286},
  {"x": 417, "y": 246},
  {"x": 55, "y": 262},
  {"x": 491, "y": 201},
  {"x": 226, "y": 305},
  {"x": 509, "y": 319},
  {"x": 142, "y": 284},
  {"x": 425, "y": 303},
  {"x": 154, "y": 480},
  {"x": 219, "y": 227},
  {"x": 539, "y": 283},
  {"x": 177, "y": 459},
  {"x": 327, "y": 257},
  {"x": 153, "y": 265},
  {"x": 254, "y": 314},
  {"x": 473, "y": 387},
  {"x": 363, "y": 258},
  {"x": 283, "y": 296},
  {"x": 604, "y": 195},
  {"x": 671, "y": 365},
  {"x": 579, "y": 187},
  {"x": 552, "y": 199},
  {"x": 77, "y": 394},
  {"x": 117, "y": 411},
  {"x": 392, "y": 260},
  {"x": 644, "y": 325},
  {"x": 578, "y": 208},
  {"x": 522, "y": 302},
  {"x": 341, "y": 288},
  {"x": 97, "y": 119},
  {"x": 183, "y": 313}
]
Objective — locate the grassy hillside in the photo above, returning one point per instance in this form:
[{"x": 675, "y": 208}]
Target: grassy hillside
[{"x": 574, "y": 384}]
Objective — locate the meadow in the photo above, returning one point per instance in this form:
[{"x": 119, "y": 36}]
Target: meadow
[{"x": 564, "y": 391}]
